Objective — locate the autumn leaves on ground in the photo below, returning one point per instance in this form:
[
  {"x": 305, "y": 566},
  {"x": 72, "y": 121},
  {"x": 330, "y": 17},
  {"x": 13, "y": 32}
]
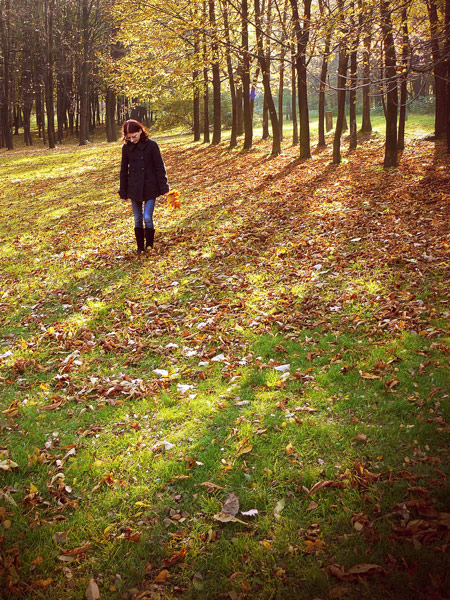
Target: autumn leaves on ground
[{"x": 257, "y": 409}]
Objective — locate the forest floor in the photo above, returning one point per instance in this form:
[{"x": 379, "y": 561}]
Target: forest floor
[{"x": 257, "y": 409}]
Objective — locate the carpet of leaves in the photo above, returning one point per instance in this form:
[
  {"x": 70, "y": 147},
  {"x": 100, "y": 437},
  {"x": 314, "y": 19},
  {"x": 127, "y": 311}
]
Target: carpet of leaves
[{"x": 250, "y": 232}]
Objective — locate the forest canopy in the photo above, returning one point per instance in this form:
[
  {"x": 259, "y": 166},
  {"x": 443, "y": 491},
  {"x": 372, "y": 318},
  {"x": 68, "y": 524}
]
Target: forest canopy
[{"x": 67, "y": 66}]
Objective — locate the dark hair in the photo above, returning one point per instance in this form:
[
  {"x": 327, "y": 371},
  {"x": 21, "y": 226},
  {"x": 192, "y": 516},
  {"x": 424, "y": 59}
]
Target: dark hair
[{"x": 133, "y": 126}]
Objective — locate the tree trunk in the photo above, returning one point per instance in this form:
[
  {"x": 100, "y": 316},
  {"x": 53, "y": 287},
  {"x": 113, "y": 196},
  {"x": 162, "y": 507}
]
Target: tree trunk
[
  {"x": 196, "y": 88},
  {"x": 233, "y": 138},
  {"x": 323, "y": 79},
  {"x": 440, "y": 84},
  {"x": 248, "y": 121},
  {"x": 111, "y": 135},
  {"x": 217, "y": 108},
  {"x": 294, "y": 98},
  {"x": 276, "y": 144},
  {"x": 352, "y": 94},
  {"x": 302, "y": 37},
  {"x": 84, "y": 78},
  {"x": 239, "y": 108},
  {"x": 341, "y": 80},
  {"x": 366, "y": 125},
  {"x": 391, "y": 149},
  {"x": 48, "y": 73},
  {"x": 404, "y": 79},
  {"x": 5, "y": 97},
  {"x": 206, "y": 138},
  {"x": 282, "y": 69},
  {"x": 447, "y": 46}
]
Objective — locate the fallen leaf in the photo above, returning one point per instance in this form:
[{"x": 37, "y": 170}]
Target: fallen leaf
[
  {"x": 162, "y": 576},
  {"x": 92, "y": 592},
  {"x": 279, "y": 508},
  {"x": 364, "y": 569},
  {"x": 211, "y": 486},
  {"x": 231, "y": 505},
  {"x": 326, "y": 483},
  {"x": 8, "y": 465},
  {"x": 249, "y": 513},
  {"x": 227, "y": 518}
]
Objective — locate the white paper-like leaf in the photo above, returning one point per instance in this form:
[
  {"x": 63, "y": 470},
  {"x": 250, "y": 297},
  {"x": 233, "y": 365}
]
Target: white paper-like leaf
[
  {"x": 283, "y": 368},
  {"x": 162, "y": 372},
  {"x": 218, "y": 358},
  {"x": 250, "y": 513},
  {"x": 184, "y": 387}
]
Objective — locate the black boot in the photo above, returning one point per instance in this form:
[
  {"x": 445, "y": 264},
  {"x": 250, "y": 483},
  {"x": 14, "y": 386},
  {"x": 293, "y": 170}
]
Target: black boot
[
  {"x": 139, "y": 233},
  {"x": 149, "y": 237}
]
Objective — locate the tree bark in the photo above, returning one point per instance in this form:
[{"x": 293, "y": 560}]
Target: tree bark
[
  {"x": 239, "y": 107},
  {"x": 353, "y": 82},
  {"x": 248, "y": 121},
  {"x": 206, "y": 138},
  {"x": 447, "y": 46},
  {"x": 302, "y": 37},
  {"x": 5, "y": 97},
  {"x": 294, "y": 98},
  {"x": 233, "y": 137},
  {"x": 323, "y": 79},
  {"x": 342, "y": 80},
  {"x": 84, "y": 78},
  {"x": 217, "y": 108},
  {"x": 282, "y": 70},
  {"x": 404, "y": 79},
  {"x": 366, "y": 125},
  {"x": 391, "y": 148},
  {"x": 48, "y": 73},
  {"x": 111, "y": 129},
  {"x": 276, "y": 144},
  {"x": 267, "y": 56},
  {"x": 196, "y": 88},
  {"x": 439, "y": 70}
]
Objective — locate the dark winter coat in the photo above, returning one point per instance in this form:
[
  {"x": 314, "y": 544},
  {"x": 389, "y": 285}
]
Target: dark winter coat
[{"x": 142, "y": 171}]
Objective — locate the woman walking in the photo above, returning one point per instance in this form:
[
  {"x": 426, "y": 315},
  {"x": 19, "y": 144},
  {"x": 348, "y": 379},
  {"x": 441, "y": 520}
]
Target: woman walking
[{"x": 142, "y": 179}]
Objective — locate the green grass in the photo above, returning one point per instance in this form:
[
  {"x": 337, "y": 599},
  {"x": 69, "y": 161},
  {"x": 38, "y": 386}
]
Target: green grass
[{"x": 114, "y": 455}]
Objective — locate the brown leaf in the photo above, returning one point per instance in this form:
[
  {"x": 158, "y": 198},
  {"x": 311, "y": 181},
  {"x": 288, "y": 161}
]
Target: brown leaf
[
  {"x": 365, "y": 569},
  {"x": 92, "y": 592},
  {"x": 176, "y": 557},
  {"x": 325, "y": 483},
  {"x": 231, "y": 505},
  {"x": 77, "y": 551},
  {"x": 43, "y": 582},
  {"x": 227, "y": 518},
  {"x": 338, "y": 591},
  {"x": 211, "y": 486},
  {"x": 162, "y": 576}
]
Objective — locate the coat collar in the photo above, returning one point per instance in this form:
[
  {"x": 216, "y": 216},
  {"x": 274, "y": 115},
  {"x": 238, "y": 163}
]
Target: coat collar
[{"x": 140, "y": 145}]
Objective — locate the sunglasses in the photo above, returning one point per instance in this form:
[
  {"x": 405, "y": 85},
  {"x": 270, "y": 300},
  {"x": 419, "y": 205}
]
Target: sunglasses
[{"x": 133, "y": 136}]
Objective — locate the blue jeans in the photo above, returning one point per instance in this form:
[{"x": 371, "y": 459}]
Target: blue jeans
[{"x": 143, "y": 213}]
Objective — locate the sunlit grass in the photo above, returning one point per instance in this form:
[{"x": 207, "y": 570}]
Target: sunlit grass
[{"x": 230, "y": 294}]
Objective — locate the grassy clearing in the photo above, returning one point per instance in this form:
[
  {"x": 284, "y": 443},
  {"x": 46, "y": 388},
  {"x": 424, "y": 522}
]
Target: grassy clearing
[{"x": 138, "y": 394}]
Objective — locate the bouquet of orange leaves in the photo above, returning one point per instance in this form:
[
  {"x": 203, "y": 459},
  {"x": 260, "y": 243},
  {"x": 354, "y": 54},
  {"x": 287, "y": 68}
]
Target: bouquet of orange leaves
[{"x": 173, "y": 197}]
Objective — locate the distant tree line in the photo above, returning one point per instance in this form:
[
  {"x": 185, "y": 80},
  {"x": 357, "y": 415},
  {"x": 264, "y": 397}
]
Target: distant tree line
[{"x": 68, "y": 61}]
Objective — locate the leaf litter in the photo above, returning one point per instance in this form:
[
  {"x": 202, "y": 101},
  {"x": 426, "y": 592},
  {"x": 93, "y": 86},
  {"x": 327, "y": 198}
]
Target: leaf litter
[{"x": 317, "y": 238}]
